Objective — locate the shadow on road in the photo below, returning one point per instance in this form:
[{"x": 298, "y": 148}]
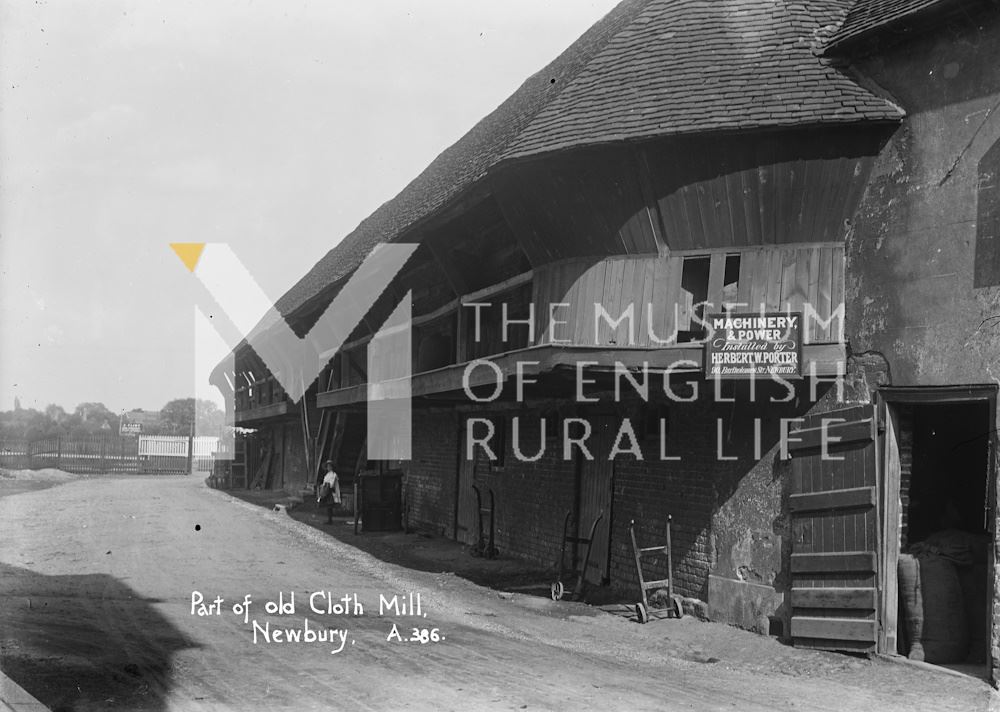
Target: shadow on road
[
  {"x": 85, "y": 642},
  {"x": 432, "y": 554}
]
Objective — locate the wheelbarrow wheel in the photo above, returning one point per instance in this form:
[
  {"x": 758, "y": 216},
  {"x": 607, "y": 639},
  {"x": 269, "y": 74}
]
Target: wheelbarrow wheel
[
  {"x": 557, "y": 591},
  {"x": 641, "y": 614},
  {"x": 678, "y": 606}
]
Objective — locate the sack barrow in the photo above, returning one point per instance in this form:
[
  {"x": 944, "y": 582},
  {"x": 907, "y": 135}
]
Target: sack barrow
[
  {"x": 642, "y": 609},
  {"x": 557, "y": 590}
]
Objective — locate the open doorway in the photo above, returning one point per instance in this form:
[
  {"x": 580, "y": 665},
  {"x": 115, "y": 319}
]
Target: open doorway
[{"x": 946, "y": 515}]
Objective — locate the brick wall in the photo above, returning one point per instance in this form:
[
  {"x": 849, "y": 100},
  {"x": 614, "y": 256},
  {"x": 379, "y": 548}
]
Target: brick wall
[
  {"x": 726, "y": 512},
  {"x": 649, "y": 490},
  {"x": 431, "y": 474},
  {"x": 532, "y": 498}
]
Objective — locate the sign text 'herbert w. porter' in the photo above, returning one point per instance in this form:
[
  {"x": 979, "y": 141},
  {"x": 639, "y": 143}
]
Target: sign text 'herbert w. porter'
[{"x": 754, "y": 345}]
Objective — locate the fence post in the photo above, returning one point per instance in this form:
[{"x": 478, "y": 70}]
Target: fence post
[
  {"x": 58, "y": 452},
  {"x": 190, "y": 468}
]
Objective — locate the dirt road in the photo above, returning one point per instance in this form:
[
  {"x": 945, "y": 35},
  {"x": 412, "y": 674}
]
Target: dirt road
[{"x": 96, "y": 613}]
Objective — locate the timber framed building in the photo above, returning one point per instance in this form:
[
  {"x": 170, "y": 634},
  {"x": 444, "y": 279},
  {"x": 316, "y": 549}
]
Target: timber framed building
[{"x": 834, "y": 160}]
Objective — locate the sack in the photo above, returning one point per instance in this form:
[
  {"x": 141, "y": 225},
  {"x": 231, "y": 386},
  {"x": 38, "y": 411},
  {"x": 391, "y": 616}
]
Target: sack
[
  {"x": 946, "y": 632},
  {"x": 908, "y": 576}
]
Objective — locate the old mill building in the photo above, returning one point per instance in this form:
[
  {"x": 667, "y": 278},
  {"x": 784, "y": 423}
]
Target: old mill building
[{"x": 578, "y": 253}]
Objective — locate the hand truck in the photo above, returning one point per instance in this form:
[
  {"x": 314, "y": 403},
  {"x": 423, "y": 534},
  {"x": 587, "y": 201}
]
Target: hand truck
[
  {"x": 484, "y": 548},
  {"x": 642, "y": 609},
  {"x": 557, "y": 590}
]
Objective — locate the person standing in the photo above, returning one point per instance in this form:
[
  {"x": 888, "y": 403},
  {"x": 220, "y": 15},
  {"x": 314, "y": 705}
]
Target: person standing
[{"x": 329, "y": 490}]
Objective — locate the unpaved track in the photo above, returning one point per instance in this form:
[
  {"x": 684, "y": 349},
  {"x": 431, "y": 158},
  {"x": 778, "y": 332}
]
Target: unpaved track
[{"x": 95, "y": 613}]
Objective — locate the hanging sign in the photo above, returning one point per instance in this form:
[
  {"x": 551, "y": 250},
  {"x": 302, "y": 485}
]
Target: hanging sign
[{"x": 754, "y": 345}]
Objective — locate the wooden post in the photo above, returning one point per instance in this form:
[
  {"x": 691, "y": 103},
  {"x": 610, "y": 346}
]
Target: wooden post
[
  {"x": 190, "y": 454},
  {"x": 307, "y": 438},
  {"x": 58, "y": 451}
]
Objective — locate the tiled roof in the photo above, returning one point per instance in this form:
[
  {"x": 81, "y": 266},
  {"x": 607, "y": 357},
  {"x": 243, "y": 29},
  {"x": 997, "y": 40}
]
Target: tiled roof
[
  {"x": 867, "y": 16},
  {"x": 687, "y": 66},
  {"x": 649, "y": 68}
]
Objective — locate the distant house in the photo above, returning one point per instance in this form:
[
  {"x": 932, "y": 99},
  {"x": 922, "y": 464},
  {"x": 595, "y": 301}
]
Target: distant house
[
  {"x": 681, "y": 164},
  {"x": 146, "y": 418}
]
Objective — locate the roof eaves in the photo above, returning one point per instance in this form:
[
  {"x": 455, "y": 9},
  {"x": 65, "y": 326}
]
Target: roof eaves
[{"x": 867, "y": 19}]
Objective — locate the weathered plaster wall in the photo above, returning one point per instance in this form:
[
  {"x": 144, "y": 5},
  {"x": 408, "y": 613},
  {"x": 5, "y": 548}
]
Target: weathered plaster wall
[{"x": 910, "y": 255}]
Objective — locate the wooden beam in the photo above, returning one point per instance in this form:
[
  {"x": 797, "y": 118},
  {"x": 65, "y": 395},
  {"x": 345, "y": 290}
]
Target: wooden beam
[
  {"x": 852, "y": 498},
  {"x": 829, "y": 563},
  {"x": 515, "y": 281},
  {"x": 442, "y": 311},
  {"x": 740, "y": 249},
  {"x": 263, "y": 412},
  {"x": 550, "y": 357},
  {"x": 455, "y": 287},
  {"x": 833, "y": 628},
  {"x": 842, "y": 598},
  {"x": 835, "y": 433},
  {"x": 307, "y": 443}
]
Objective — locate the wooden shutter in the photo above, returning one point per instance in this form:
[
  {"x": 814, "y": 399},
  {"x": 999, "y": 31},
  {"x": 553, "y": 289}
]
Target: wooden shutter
[{"x": 834, "y": 517}]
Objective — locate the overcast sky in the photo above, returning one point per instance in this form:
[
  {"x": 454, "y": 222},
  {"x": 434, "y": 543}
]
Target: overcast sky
[{"x": 273, "y": 126}]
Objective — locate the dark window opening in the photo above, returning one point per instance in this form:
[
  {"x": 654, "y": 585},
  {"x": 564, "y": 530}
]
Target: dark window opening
[
  {"x": 730, "y": 282},
  {"x": 434, "y": 344},
  {"x": 691, "y": 304},
  {"x": 945, "y": 478}
]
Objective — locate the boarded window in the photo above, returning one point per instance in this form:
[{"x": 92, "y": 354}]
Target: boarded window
[{"x": 987, "y": 266}]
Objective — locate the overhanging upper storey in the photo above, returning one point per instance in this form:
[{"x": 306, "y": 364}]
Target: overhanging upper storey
[{"x": 671, "y": 130}]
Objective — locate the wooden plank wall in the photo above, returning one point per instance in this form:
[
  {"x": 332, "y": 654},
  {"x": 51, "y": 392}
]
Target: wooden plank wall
[
  {"x": 745, "y": 191},
  {"x": 583, "y": 203},
  {"x": 770, "y": 278}
]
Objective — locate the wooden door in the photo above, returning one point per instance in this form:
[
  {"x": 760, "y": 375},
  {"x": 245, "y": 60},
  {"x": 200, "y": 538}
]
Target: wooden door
[
  {"x": 835, "y": 531},
  {"x": 596, "y": 480},
  {"x": 466, "y": 521}
]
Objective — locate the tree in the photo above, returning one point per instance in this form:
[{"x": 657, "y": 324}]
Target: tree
[
  {"x": 179, "y": 415},
  {"x": 88, "y": 418}
]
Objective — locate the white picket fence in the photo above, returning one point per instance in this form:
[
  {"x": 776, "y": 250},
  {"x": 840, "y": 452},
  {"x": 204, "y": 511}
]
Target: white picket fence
[
  {"x": 166, "y": 448},
  {"x": 163, "y": 446},
  {"x": 205, "y": 445}
]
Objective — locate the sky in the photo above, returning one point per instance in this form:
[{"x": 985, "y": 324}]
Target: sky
[{"x": 274, "y": 127}]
